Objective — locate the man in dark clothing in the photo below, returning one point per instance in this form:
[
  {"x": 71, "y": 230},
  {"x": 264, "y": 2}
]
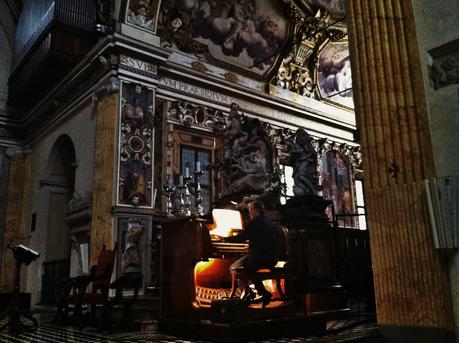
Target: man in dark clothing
[{"x": 263, "y": 238}]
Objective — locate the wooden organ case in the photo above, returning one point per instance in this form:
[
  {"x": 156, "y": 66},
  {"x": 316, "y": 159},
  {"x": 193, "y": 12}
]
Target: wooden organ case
[{"x": 196, "y": 287}]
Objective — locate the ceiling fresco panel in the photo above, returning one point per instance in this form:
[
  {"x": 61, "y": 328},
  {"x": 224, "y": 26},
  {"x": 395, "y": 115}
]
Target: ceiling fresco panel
[{"x": 245, "y": 35}]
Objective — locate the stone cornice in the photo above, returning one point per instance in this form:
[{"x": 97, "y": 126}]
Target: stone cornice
[
  {"x": 315, "y": 110},
  {"x": 90, "y": 77}
]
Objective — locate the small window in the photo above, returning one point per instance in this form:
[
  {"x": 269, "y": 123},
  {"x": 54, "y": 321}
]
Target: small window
[
  {"x": 287, "y": 180},
  {"x": 190, "y": 156},
  {"x": 360, "y": 204}
]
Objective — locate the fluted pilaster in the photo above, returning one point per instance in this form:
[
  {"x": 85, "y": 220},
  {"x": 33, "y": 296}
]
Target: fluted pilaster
[
  {"x": 411, "y": 277},
  {"x": 104, "y": 175},
  {"x": 16, "y": 216}
]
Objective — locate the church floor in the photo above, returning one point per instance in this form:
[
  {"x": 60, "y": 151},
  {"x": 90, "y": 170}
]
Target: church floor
[{"x": 352, "y": 329}]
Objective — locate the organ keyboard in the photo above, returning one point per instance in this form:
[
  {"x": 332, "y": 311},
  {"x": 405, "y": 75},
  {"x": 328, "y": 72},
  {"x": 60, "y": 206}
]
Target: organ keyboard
[
  {"x": 195, "y": 264},
  {"x": 228, "y": 250}
]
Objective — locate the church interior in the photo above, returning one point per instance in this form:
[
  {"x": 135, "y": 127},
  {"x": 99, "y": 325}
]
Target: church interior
[{"x": 134, "y": 134}]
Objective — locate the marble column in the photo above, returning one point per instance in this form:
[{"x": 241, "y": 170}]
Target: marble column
[
  {"x": 104, "y": 175},
  {"x": 411, "y": 276},
  {"x": 16, "y": 216}
]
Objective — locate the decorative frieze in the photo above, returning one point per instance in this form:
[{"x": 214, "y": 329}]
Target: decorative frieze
[
  {"x": 352, "y": 153},
  {"x": 210, "y": 119},
  {"x": 189, "y": 115}
]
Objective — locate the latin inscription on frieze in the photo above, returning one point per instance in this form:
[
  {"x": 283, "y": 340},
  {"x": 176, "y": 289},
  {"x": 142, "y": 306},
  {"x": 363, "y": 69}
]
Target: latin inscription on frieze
[
  {"x": 207, "y": 94},
  {"x": 138, "y": 66}
]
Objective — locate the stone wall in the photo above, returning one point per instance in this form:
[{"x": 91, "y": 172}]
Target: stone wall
[{"x": 436, "y": 26}]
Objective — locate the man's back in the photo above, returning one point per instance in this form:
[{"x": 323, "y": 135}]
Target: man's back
[{"x": 263, "y": 236}]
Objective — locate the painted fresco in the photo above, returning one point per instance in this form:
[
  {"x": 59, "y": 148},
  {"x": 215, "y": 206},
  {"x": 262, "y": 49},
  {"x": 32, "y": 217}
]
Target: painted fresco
[
  {"x": 335, "y": 7},
  {"x": 336, "y": 184},
  {"x": 334, "y": 76},
  {"x": 246, "y": 33},
  {"x": 135, "y": 176},
  {"x": 142, "y": 13}
]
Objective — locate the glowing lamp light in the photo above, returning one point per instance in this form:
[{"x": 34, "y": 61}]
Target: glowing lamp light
[{"x": 226, "y": 221}]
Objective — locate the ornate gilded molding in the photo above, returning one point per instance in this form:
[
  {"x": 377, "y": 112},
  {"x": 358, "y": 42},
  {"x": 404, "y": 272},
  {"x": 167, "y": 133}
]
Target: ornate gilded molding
[
  {"x": 209, "y": 119},
  {"x": 199, "y": 66},
  {"x": 203, "y": 117},
  {"x": 312, "y": 30},
  {"x": 353, "y": 154},
  {"x": 231, "y": 77}
]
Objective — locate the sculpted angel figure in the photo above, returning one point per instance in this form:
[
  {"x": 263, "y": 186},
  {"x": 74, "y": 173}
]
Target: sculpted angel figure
[{"x": 303, "y": 158}]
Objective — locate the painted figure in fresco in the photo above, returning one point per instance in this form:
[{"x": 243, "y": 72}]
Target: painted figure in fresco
[
  {"x": 237, "y": 28},
  {"x": 336, "y": 184},
  {"x": 136, "y": 106},
  {"x": 134, "y": 187},
  {"x": 135, "y": 112},
  {"x": 335, "y": 73},
  {"x": 343, "y": 194},
  {"x": 303, "y": 158}
]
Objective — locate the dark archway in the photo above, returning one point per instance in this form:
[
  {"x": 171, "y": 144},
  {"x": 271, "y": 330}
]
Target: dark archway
[{"x": 59, "y": 187}]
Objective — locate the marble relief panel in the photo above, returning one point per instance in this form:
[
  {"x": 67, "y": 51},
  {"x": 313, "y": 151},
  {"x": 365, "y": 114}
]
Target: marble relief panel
[
  {"x": 444, "y": 65},
  {"x": 133, "y": 235},
  {"x": 136, "y": 144}
]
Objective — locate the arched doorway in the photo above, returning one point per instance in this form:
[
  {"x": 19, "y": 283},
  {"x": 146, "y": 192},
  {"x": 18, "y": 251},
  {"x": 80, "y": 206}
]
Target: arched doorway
[{"x": 58, "y": 186}]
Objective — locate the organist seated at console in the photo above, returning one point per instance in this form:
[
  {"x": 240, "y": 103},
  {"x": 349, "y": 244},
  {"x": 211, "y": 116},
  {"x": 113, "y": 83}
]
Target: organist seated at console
[
  {"x": 263, "y": 237},
  {"x": 198, "y": 285},
  {"x": 196, "y": 256}
]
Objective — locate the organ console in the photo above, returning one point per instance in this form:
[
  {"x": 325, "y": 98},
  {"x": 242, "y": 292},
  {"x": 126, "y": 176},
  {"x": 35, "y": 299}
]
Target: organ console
[{"x": 196, "y": 283}]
